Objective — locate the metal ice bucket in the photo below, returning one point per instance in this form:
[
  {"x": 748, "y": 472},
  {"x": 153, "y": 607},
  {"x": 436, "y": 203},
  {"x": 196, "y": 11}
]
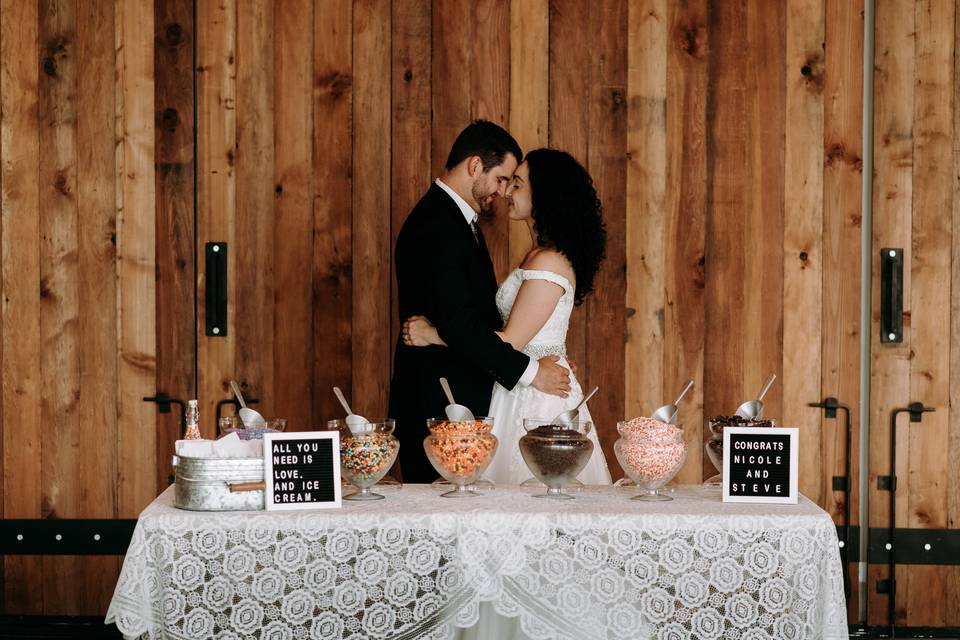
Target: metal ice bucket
[{"x": 207, "y": 484}]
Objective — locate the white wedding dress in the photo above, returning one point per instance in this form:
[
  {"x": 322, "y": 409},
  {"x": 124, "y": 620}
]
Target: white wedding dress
[{"x": 510, "y": 408}]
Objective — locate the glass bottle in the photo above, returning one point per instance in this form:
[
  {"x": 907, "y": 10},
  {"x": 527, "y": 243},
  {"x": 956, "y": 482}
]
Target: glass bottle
[{"x": 193, "y": 421}]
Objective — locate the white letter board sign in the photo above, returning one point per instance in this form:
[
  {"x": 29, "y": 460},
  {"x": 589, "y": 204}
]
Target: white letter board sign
[
  {"x": 301, "y": 470},
  {"x": 760, "y": 464}
]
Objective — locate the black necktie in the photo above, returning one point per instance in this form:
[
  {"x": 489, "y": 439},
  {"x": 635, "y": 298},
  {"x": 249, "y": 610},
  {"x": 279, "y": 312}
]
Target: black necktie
[{"x": 476, "y": 232}]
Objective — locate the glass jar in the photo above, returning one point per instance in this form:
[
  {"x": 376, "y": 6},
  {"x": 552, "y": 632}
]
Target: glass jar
[
  {"x": 650, "y": 457},
  {"x": 366, "y": 456},
  {"x": 460, "y": 451},
  {"x": 555, "y": 454}
]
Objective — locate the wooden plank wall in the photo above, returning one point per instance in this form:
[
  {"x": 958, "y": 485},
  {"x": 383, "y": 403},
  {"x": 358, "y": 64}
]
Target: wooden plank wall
[
  {"x": 96, "y": 192},
  {"x": 916, "y": 209}
]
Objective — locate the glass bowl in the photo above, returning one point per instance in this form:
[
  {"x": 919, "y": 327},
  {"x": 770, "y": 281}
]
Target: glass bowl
[
  {"x": 714, "y": 446},
  {"x": 460, "y": 451},
  {"x": 365, "y": 458},
  {"x": 651, "y": 457},
  {"x": 555, "y": 454},
  {"x": 232, "y": 424}
]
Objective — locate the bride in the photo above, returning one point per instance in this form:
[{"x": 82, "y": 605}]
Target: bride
[{"x": 554, "y": 195}]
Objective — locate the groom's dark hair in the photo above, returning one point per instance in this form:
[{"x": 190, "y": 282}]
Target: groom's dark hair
[{"x": 485, "y": 139}]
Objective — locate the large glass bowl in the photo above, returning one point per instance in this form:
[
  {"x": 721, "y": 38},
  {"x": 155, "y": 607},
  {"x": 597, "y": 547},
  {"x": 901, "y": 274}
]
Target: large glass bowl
[
  {"x": 232, "y": 424},
  {"x": 650, "y": 458},
  {"x": 555, "y": 454},
  {"x": 714, "y": 446},
  {"x": 366, "y": 457},
  {"x": 460, "y": 451}
]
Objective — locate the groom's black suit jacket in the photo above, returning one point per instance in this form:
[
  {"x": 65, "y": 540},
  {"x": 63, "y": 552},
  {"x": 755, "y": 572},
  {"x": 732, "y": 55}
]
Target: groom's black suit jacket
[{"x": 445, "y": 274}]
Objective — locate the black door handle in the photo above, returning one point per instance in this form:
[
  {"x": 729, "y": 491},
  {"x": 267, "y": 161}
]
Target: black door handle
[{"x": 891, "y": 295}]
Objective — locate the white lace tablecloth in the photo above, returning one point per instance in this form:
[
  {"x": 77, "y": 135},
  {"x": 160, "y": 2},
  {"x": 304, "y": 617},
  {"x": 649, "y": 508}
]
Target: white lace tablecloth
[{"x": 418, "y": 566}]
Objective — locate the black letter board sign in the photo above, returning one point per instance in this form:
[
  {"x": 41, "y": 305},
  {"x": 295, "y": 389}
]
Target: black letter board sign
[
  {"x": 302, "y": 470},
  {"x": 760, "y": 464}
]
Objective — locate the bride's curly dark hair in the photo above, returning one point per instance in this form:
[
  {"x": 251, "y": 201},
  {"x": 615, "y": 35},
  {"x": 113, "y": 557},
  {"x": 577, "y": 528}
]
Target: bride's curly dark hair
[{"x": 567, "y": 213}]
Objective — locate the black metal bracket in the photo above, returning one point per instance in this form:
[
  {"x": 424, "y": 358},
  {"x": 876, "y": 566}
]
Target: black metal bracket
[
  {"x": 891, "y": 295},
  {"x": 886, "y": 483},
  {"x": 215, "y": 285},
  {"x": 65, "y": 537},
  {"x": 916, "y": 411},
  {"x": 915, "y": 546},
  {"x": 163, "y": 406},
  {"x": 830, "y": 406}
]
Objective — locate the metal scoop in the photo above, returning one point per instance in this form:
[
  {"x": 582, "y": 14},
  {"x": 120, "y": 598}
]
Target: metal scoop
[
  {"x": 455, "y": 412},
  {"x": 356, "y": 424},
  {"x": 571, "y": 417},
  {"x": 753, "y": 409},
  {"x": 251, "y": 419},
  {"x": 668, "y": 412}
]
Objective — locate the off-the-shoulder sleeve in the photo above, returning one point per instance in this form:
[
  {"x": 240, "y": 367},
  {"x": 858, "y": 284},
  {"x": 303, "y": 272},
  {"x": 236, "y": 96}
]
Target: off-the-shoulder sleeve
[{"x": 556, "y": 278}]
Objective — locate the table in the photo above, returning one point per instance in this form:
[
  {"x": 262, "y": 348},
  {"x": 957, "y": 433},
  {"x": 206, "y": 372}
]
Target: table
[{"x": 419, "y": 566}]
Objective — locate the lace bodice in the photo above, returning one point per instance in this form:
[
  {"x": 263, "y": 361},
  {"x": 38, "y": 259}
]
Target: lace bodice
[{"x": 552, "y": 337}]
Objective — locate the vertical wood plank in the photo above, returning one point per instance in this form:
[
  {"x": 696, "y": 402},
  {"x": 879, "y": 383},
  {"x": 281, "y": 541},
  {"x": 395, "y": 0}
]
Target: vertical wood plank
[
  {"x": 20, "y": 238},
  {"x": 293, "y": 242},
  {"x": 685, "y": 201},
  {"x": 136, "y": 259},
  {"x": 802, "y": 244},
  {"x": 333, "y": 204},
  {"x": 606, "y": 162},
  {"x": 840, "y": 292},
  {"x": 176, "y": 343},
  {"x": 763, "y": 179},
  {"x": 933, "y": 179},
  {"x": 952, "y": 592},
  {"x": 97, "y": 297},
  {"x": 490, "y": 97},
  {"x": 529, "y": 96},
  {"x": 253, "y": 251},
  {"x": 452, "y": 63},
  {"x": 371, "y": 205},
  {"x": 729, "y": 145},
  {"x": 58, "y": 290},
  {"x": 892, "y": 205},
  {"x": 568, "y": 123},
  {"x": 645, "y": 206},
  {"x": 216, "y": 193},
  {"x": 410, "y": 146}
]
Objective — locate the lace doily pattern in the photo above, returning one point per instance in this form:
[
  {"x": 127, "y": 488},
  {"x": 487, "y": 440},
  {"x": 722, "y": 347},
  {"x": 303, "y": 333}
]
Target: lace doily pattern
[{"x": 418, "y": 566}]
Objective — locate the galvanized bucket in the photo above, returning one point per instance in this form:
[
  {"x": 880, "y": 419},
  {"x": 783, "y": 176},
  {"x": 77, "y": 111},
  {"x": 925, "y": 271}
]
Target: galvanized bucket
[{"x": 206, "y": 484}]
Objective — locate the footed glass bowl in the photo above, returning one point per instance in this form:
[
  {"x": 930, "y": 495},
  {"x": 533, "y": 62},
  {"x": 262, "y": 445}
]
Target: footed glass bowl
[
  {"x": 555, "y": 454},
  {"x": 367, "y": 456},
  {"x": 650, "y": 460},
  {"x": 714, "y": 446},
  {"x": 460, "y": 451}
]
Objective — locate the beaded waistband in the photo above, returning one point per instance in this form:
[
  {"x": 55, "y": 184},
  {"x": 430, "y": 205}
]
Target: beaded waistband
[{"x": 537, "y": 351}]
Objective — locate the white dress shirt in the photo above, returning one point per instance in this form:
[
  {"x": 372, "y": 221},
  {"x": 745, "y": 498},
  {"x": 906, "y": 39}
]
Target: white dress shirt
[{"x": 471, "y": 217}]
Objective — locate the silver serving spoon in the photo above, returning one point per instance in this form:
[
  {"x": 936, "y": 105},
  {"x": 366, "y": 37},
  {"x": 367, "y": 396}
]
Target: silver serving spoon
[
  {"x": 251, "y": 419},
  {"x": 455, "y": 412},
  {"x": 571, "y": 417},
  {"x": 356, "y": 423},
  {"x": 753, "y": 409},
  {"x": 668, "y": 412}
]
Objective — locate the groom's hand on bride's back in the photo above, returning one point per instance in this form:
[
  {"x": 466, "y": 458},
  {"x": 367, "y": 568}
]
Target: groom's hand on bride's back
[{"x": 552, "y": 378}]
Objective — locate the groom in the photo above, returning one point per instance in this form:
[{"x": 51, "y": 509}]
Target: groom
[{"x": 444, "y": 272}]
